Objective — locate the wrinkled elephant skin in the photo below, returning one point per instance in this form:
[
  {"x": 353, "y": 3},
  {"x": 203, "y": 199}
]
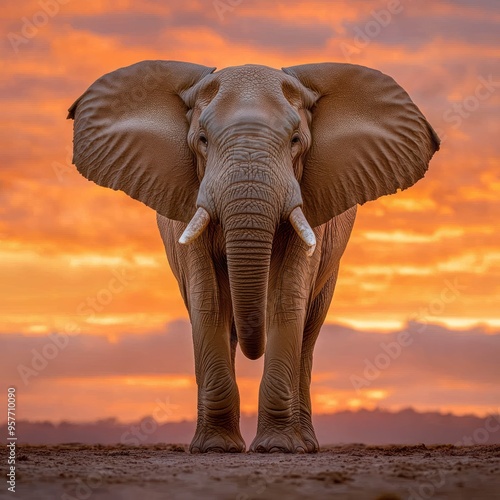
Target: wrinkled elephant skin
[{"x": 255, "y": 174}]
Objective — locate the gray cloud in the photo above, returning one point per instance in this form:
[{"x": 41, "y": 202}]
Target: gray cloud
[
  {"x": 134, "y": 28},
  {"x": 435, "y": 352},
  {"x": 88, "y": 355},
  {"x": 476, "y": 4},
  {"x": 37, "y": 86},
  {"x": 414, "y": 32},
  {"x": 277, "y": 34}
]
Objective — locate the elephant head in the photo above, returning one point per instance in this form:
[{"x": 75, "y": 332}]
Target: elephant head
[{"x": 249, "y": 148}]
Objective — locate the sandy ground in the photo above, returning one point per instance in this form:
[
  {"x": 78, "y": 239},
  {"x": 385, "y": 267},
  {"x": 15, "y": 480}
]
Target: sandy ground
[{"x": 75, "y": 471}]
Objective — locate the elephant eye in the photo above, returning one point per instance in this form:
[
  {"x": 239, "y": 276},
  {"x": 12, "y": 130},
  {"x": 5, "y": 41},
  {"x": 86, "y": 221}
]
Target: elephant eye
[
  {"x": 295, "y": 139},
  {"x": 203, "y": 139}
]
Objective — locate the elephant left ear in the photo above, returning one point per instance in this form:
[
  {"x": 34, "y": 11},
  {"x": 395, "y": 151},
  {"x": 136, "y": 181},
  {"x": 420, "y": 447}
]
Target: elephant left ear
[
  {"x": 130, "y": 133},
  {"x": 368, "y": 139}
]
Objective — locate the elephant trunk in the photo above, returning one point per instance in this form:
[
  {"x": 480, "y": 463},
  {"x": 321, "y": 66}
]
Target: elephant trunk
[
  {"x": 249, "y": 239},
  {"x": 249, "y": 201}
]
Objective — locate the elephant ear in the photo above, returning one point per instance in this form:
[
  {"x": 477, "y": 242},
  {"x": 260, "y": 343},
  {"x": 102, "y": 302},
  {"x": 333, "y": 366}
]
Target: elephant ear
[
  {"x": 368, "y": 139},
  {"x": 130, "y": 133}
]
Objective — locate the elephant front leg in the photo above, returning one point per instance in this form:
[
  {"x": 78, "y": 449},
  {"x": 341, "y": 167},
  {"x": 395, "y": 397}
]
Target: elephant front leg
[
  {"x": 316, "y": 317},
  {"x": 217, "y": 427},
  {"x": 278, "y": 428},
  {"x": 306, "y": 425}
]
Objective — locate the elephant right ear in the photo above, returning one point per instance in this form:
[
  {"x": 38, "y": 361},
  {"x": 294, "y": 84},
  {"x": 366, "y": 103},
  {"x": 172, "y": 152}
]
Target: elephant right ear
[
  {"x": 130, "y": 133},
  {"x": 368, "y": 139}
]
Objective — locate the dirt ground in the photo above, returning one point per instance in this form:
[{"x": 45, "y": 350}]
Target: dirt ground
[{"x": 81, "y": 472}]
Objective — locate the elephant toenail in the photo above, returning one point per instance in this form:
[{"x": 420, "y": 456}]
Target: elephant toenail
[{"x": 275, "y": 449}]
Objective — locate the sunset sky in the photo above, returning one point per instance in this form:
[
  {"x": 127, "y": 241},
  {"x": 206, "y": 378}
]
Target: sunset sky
[{"x": 425, "y": 261}]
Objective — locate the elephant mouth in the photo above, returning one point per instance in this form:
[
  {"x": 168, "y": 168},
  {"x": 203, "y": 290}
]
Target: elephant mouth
[{"x": 201, "y": 219}]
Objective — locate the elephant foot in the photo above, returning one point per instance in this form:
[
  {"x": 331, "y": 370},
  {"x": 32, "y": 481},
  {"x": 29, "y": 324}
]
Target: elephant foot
[
  {"x": 217, "y": 440},
  {"x": 309, "y": 437},
  {"x": 279, "y": 441}
]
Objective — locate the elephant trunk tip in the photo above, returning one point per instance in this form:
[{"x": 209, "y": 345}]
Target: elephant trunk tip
[
  {"x": 252, "y": 353},
  {"x": 250, "y": 321}
]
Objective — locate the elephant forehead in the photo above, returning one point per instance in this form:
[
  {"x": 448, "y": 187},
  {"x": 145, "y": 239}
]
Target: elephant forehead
[
  {"x": 251, "y": 79},
  {"x": 250, "y": 95},
  {"x": 235, "y": 116}
]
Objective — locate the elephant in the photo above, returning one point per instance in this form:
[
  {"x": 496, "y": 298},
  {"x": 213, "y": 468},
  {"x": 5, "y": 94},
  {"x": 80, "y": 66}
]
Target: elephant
[{"x": 255, "y": 174}]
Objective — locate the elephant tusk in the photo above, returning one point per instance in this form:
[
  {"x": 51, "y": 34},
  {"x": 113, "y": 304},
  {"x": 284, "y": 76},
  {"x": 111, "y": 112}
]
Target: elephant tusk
[
  {"x": 196, "y": 226},
  {"x": 303, "y": 229}
]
